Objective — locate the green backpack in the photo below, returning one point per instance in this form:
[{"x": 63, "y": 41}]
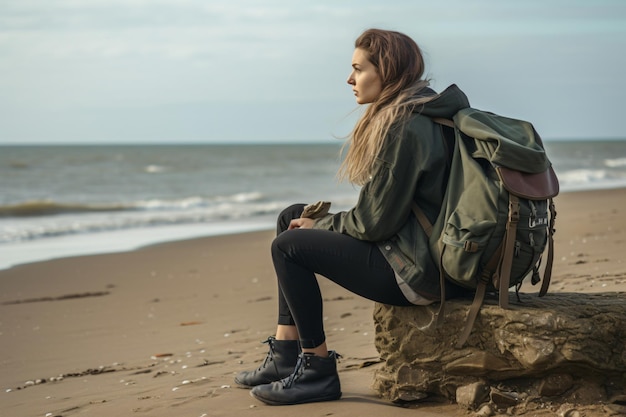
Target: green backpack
[{"x": 498, "y": 214}]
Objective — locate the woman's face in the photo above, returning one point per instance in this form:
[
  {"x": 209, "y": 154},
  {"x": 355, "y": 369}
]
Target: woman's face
[{"x": 364, "y": 79}]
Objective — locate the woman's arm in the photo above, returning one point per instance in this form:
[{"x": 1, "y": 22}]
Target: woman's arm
[{"x": 384, "y": 202}]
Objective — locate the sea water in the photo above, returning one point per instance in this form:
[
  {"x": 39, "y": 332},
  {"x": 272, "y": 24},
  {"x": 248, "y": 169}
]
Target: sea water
[{"x": 71, "y": 200}]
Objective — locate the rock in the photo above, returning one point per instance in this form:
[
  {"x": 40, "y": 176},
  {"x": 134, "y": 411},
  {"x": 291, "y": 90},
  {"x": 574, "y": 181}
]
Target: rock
[
  {"x": 569, "y": 347},
  {"x": 472, "y": 395},
  {"x": 567, "y": 410},
  {"x": 485, "y": 411},
  {"x": 556, "y": 384},
  {"x": 504, "y": 399}
]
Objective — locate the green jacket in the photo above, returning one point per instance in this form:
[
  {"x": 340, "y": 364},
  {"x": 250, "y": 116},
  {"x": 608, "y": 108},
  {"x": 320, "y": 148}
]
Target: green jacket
[{"x": 410, "y": 167}]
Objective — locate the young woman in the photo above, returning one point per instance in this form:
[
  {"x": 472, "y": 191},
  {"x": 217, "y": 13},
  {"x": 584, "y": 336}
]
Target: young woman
[{"x": 377, "y": 249}]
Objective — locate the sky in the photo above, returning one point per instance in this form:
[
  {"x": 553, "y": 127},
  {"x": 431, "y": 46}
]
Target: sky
[{"x": 248, "y": 71}]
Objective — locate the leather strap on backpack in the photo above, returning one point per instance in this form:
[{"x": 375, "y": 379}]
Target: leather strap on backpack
[
  {"x": 548, "y": 271},
  {"x": 442, "y": 288},
  {"x": 428, "y": 230},
  {"x": 481, "y": 289},
  {"x": 443, "y": 121},
  {"x": 422, "y": 219},
  {"x": 504, "y": 271},
  {"x": 487, "y": 275}
]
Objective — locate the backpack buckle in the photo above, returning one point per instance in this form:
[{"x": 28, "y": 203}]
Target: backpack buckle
[
  {"x": 470, "y": 246},
  {"x": 514, "y": 209}
]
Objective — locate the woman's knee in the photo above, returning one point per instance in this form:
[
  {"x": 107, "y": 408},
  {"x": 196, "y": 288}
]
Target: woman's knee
[
  {"x": 291, "y": 247},
  {"x": 282, "y": 244}
]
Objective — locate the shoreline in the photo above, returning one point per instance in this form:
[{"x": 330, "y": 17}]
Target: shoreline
[
  {"x": 120, "y": 241},
  {"x": 163, "y": 329},
  {"x": 117, "y": 241}
]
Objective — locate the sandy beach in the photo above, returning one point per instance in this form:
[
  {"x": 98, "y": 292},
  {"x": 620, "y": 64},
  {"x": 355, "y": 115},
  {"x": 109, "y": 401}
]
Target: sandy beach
[{"x": 161, "y": 331}]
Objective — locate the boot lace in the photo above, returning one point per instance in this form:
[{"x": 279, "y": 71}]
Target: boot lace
[
  {"x": 297, "y": 372},
  {"x": 270, "y": 355}
]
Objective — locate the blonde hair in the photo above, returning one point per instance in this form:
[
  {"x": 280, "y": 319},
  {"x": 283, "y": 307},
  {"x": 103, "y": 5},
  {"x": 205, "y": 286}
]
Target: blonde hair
[{"x": 400, "y": 65}]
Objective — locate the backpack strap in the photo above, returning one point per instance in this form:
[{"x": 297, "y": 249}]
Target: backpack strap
[
  {"x": 442, "y": 288},
  {"x": 548, "y": 271},
  {"x": 428, "y": 229},
  {"x": 443, "y": 121},
  {"x": 479, "y": 298},
  {"x": 486, "y": 276},
  {"x": 422, "y": 219},
  {"x": 504, "y": 271}
]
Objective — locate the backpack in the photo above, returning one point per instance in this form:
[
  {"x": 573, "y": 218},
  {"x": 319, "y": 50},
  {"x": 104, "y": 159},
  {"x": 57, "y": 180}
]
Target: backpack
[{"x": 498, "y": 215}]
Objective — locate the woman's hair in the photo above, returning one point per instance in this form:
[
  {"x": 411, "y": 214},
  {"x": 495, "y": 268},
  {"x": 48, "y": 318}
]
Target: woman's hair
[{"x": 399, "y": 63}]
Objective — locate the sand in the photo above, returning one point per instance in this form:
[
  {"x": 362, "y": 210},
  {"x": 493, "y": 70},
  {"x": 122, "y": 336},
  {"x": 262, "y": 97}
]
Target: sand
[{"x": 161, "y": 331}]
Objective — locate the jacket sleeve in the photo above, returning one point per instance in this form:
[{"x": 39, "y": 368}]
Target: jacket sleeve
[{"x": 384, "y": 202}]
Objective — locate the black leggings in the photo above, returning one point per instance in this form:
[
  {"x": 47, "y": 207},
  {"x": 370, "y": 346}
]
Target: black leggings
[{"x": 299, "y": 254}]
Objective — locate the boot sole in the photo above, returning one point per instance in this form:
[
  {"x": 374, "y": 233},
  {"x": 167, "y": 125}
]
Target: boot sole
[
  {"x": 245, "y": 386},
  {"x": 305, "y": 401}
]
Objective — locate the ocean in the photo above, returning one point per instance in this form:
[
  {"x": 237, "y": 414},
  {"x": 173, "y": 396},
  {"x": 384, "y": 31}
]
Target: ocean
[{"x": 58, "y": 201}]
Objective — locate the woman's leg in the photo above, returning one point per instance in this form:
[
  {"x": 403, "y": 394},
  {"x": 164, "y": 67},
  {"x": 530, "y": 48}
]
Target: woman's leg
[
  {"x": 284, "y": 349},
  {"x": 286, "y": 328},
  {"x": 356, "y": 265}
]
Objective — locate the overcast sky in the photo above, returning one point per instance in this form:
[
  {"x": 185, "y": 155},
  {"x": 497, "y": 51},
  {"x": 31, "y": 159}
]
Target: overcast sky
[{"x": 202, "y": 71}]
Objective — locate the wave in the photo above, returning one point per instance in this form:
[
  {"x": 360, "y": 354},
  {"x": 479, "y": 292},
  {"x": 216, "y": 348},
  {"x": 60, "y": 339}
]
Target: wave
[
  {"x": 35, "y": 220},
  {"x": 589, "y": 179},
  {"x": 41, "y": 219},
  {"x": 615, "y": 162},
  {"x": 48, "y": 207},
  {"x": 154, "y": 169},
  {"x": 62, "y": 226},
  {"x": 37, "y": 208}
]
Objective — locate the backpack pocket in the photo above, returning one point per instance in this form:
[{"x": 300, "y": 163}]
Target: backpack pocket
[
  {"x": 525, "y": 258},
  {"x": 465, "y": 239},
  {"x": 531, "y": 238}
]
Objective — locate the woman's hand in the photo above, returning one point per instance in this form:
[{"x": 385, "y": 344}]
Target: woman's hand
[{"x": 302, "y": 223}]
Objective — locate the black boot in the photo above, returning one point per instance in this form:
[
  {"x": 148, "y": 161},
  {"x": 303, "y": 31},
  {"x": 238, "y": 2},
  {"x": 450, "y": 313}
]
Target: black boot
[
  {"x": 278, "y": 364},
  {"x": 314, "y": 379}
]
